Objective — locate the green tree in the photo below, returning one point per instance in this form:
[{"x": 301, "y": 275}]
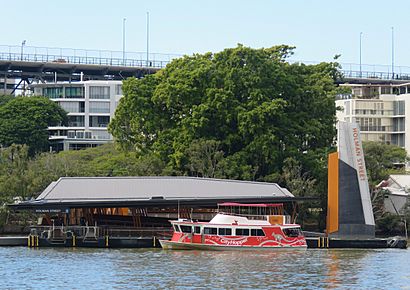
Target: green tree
[
  {"x": 14, "y": 180},
  {"x": 204, "y": 157},
  {"x": 257, "y": 106},
  {"x": 5, "y": 99},
  {"x": 26, "y": 177},
  {"x": 24, "y": 120},
  {"x": 383, "y": 159},
  {"x": 300, "y": 184}
]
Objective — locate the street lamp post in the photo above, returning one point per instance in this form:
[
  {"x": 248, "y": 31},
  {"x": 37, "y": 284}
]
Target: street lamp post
[
  {"x": 392, "y": 52},
  {"x": 123, "y": 41},
  {"x": 147, "y": 38},
  {"x": 23, "y": 43},
  {"x": 360, "y": 53}
]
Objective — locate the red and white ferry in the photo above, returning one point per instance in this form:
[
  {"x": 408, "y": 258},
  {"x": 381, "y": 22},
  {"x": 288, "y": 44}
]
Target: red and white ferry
[{"x": 238, "y": 226}]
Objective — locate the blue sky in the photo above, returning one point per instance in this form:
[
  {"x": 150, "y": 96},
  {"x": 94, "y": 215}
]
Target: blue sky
[{"x": 319, "y": 29}]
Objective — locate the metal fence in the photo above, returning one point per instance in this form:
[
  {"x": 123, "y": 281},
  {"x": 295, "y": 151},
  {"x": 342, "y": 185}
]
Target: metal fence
[
  {"x": 55, "y": 232},
  {"x": 160, "y": 60},
  {"x": 84, "y": 56}
]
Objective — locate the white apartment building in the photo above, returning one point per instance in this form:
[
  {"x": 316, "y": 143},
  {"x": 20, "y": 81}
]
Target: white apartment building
[
  {"x": 6, "y": 86},
  {"x": 90, "y": 106},
  {"x": 380, "y": 109}
]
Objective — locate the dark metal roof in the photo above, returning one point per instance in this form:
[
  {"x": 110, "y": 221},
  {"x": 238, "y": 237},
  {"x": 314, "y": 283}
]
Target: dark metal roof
[{"x": 71, "y": 192}]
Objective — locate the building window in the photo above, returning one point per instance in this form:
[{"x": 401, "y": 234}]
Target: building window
[
  {"x": 398, "y": 124},
  {"x": 53, "y": 93},
  {"x": 99, "y": 107},
  {"x": 100, "y": 92},
  {"x": 101, "y": 135},
  {"x": 75, "y": 146},
  {"x": 80, "y": 134},
  {"x": 386, "y": 90},
  {"x": 75, "y": 121},
  {"x": 99, "y": 121},
  {"x": 118, "y": 90},
  {"x": 398, "y": 139},
  {"x": 74, "y": 92},
  {"x": 72, "y": 107},
  {"x": 398, "y": 108},
  {"x": 71, "y": 134}
]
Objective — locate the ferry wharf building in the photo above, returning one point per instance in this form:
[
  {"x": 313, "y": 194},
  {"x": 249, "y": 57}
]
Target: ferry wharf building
[
  {"x": 135, "y": 211},
  {"x": 90, "y": 106}
]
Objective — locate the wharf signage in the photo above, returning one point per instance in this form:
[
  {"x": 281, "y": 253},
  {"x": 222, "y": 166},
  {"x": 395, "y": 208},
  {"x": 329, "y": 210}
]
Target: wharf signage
[
  {"x": 52, "y": 210},
  {"x": 358, "y": 153}
]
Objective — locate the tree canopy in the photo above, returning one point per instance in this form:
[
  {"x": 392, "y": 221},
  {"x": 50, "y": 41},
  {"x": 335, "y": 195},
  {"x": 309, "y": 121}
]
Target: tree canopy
[
  {"x": 246, "y": 110},
  {"x": 383, "y": 159},
  {"x": 5, "y": 99},
  {"x": 26, "y": 177},
  {"x": 24, "y": 120}
]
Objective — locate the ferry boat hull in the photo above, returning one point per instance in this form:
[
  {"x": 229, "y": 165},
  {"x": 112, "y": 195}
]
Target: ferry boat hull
[{"x": 172, "y": 245}]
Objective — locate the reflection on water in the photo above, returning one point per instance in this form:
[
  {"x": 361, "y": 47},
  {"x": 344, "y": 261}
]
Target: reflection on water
[{"x": 153, "y": 269}]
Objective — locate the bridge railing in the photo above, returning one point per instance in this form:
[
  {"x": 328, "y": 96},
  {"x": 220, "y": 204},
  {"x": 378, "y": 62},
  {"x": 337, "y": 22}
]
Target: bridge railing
[
  {"x": 81, "y": 56},
  {"x": 369, "y": 71},
  {"x": 160, "y": 60}
]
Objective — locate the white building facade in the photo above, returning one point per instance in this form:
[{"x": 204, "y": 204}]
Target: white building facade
[
  {"x": 90, "y": 105},
  {"x": 380, "y": 110},
  {"x": 6, "y": 86}
]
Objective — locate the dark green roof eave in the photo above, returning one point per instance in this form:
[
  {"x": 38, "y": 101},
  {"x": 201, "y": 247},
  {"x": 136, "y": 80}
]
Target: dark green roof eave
[{"x": 34, "y": 205}]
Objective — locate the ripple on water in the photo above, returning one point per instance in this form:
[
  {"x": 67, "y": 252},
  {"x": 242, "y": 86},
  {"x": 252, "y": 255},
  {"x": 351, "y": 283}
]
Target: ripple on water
[{"x": 152, "y": 269}]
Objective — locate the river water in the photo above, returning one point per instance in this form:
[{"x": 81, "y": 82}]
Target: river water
[{"x": 75, "y": 268}]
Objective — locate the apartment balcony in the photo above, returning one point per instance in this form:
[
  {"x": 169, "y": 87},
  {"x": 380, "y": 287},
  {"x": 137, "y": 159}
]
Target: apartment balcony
[
  {"x": 368, "y": 112},
  {"x": 376, "y": 128}
]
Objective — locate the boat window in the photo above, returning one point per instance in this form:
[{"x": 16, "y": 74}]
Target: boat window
[
  {"x": 186, "y": 229},
  {"x": 225, "y": 232},
  {"x": 257, "y": 232},
  {"x": 242, "y": 232},
  {"x": 176, "y": 228},
  {"x": 292, "y": 232},
  {"x": 210, "y": 231},
  {"x": 197, "y": 230}
]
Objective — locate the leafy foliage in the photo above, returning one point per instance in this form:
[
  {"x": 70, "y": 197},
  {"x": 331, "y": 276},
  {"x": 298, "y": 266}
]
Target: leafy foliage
[
  {"x": 382, "y": 159},
  {"x": 255, "y": 106},
  {"x": 13, "y": 168},
  {"x": 300, "y": 184},
  {"x": 5, "y": 99},
  {"x": 204, "y": 157},
  {"x": 26, "y": 177},
  {"x": 25, "y": 120}
]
